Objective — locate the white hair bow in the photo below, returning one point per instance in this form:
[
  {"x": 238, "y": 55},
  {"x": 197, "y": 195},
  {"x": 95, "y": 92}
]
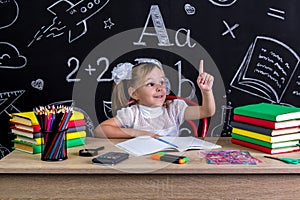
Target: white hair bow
[{"x": 123, "y": 71}]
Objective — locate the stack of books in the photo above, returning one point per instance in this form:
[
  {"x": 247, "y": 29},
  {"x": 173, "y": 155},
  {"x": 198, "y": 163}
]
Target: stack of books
[
  {"x": 26, "y": 128},
  {"x": 270, "y": 128}
]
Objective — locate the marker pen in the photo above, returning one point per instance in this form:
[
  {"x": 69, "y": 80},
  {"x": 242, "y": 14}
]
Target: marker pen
[{"x": 169, "y": 158}]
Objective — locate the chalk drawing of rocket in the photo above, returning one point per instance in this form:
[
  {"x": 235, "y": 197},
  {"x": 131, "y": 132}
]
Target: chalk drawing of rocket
[{"x": 70, "y": 17}]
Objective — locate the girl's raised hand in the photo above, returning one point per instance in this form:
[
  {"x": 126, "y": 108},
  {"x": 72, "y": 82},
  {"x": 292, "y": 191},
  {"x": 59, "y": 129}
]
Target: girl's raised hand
[{"x": 205, "y": 81}]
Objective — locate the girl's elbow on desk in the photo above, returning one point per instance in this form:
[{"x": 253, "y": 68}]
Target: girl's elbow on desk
[{"x": 104, "y": 130}]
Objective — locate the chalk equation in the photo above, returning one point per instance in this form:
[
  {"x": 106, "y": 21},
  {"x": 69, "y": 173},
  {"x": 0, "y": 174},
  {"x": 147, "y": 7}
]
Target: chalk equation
[
  {"x": 104, "y": 68},
  {"x": 267, "y": 69}
]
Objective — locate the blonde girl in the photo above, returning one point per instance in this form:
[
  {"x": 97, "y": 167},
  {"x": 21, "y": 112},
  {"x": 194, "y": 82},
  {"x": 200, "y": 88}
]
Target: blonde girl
[{"x": 145, "y": 85}]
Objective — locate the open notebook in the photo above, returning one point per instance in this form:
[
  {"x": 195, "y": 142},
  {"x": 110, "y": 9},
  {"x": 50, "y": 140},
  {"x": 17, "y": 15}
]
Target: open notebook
[{"x": 144, "y": 145}]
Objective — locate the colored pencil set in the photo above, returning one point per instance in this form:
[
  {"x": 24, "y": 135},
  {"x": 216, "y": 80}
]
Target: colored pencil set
[{"x": 54, "y": 122}]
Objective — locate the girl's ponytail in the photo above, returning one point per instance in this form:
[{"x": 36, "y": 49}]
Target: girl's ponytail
[{"x": 120, "y": 97}]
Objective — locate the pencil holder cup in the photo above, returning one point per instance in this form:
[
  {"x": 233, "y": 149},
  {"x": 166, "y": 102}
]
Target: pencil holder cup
[{"x": 54, "y": 147}]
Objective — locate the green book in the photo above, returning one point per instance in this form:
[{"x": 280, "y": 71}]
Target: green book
[
  {"x": 268, "y": 111},
  {"x": 27, "y": 147},
  {"x": 33, "y": 149},
  {"x": 265, "y": 144}
]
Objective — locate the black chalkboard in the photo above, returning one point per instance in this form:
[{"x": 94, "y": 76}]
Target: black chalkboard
[{"x": 64, "y": 50}]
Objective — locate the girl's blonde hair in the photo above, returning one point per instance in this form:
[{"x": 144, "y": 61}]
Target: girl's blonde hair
[{"x": 120, "y": 97}]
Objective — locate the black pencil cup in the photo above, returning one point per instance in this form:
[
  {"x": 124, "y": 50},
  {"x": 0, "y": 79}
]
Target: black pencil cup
[{"x": 54, "y": 145}]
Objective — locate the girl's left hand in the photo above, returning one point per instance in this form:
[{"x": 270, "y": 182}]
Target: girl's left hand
[{"x": 205, "y": 81}]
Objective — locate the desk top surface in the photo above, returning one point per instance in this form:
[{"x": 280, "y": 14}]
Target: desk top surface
[{"x": 23, "y": 163}]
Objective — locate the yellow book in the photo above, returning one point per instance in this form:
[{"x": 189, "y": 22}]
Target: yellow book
[
  {"x": 271, "y": 139},
  {"x": 25, "y": 118},
  {"x": 29, "y": 118},
  {"x": 70, "y": 136},
  {"x": 78, "y": 134},
  {"x": 76, "y": 115},
  {"x": 36, "y": 148}
]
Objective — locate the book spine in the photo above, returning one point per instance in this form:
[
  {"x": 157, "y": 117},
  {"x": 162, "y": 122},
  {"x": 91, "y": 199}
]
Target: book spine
[
  {"x": 254, "y": 121},
  {"x": 76, "y": 129},
  {"x": 265, "y": 149},
  {"x": 35, "y": 147},
  {"x": 271, "y": 139},
  {"x": 251, "y": 140},
  {"x": 32, "y": 149},
  {"x": 35, "y": 141},
  {"x": 74, "y": 135},
  {"x": 28, "y": 118},
  {"x": 75, "y": 142},
  {"x": 75, "y": 123},
  {"x": 253, "y": 128},
  {"x": 276, "y": 145},
  {"x": 252, "y": 146},
  {"x": 76, "y": 116},
  {"x": 26, "y": 134},
  {"x": 252, "y": 134},
  {"x": 26, "y": 151},
  {"x": 38, "y": 140}
]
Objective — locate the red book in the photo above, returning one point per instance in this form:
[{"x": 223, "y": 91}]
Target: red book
[
  {"x": 75, "y": 123},
  {"x": 267, "y": 123},
  {"x": 37, "y": 128},
  {"x": 22, "y": 127},
  {"x": 265, "y": 149}
]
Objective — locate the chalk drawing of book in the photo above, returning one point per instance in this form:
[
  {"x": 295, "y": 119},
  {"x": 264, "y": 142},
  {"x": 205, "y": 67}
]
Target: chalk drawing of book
[{"x": 267, "y": 69}]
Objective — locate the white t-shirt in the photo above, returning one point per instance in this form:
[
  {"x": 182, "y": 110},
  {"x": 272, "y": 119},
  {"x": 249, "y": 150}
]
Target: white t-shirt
[{"x": 161, "y": 120}]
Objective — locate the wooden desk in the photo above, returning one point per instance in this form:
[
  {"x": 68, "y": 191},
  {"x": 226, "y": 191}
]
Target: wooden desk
[{"x": 26, "y": 176}]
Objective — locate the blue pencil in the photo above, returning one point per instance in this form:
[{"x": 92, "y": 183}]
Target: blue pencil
[{"x": 164, "y": 141}]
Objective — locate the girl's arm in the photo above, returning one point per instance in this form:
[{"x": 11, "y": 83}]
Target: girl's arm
[
  {"x": 208, "y": 107},
  {"x": 111, "y": 128}
]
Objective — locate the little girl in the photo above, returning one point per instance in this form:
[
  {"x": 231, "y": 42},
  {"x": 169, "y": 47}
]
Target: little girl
[{"x": 145, "y": 85}]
